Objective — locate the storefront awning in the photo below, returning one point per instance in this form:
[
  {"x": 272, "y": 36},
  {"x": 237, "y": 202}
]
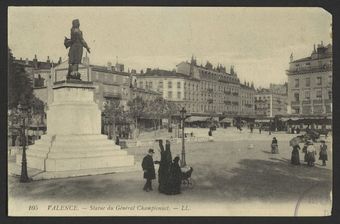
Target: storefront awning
[
  {"x": 196, "y": 118},
  {"x": 262, "y": 120},
  {"x": 227, "y": 120}
]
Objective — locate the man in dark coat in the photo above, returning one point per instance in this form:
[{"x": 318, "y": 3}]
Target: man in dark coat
[
  {"x": 149, "y": 170},
  {"x": 164, "y": 166}
]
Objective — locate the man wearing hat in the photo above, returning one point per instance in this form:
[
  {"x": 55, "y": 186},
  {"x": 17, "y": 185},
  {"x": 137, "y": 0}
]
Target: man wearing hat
[{"x": 149, "y": 170}]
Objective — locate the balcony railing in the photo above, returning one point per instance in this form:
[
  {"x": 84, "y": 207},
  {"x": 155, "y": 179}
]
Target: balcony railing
[
  {"x": 306, "y": 102},
  {"x": 309, "y": 69},
  {"x": 295, "y": 102},
  {"x": 235, "y": 94}
]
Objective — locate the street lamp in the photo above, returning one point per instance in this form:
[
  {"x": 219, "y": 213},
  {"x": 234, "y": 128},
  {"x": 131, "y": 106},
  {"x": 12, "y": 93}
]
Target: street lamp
[
  {"x": 183, "y": 112},
  {"x": 23, "y": 113}
]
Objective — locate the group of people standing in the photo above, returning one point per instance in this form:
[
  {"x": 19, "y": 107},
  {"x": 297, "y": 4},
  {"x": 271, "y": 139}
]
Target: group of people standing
[
  {"x": 169, "y": 172},
  {"x": 310, "y": 153}
]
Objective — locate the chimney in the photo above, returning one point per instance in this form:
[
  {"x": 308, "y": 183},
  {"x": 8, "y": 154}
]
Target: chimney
[
  {"x": 291, "y": 57},
  {"x": 48, "y": 59},
  {"x": 321, "y": 43},
  {"x": 148, "y": 70},
  {"x": 26, "y": 61},
  {"x": 59, "y": 61},
  {"x": 35, "y": 62}
]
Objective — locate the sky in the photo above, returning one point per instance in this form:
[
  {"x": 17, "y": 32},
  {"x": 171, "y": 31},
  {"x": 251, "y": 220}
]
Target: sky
[{"x": 257, "y": 41}]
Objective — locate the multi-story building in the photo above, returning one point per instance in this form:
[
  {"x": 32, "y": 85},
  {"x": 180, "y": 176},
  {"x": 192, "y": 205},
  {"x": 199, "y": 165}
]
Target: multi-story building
[
  {"x": 270, "y": 104},
  {"x": 310, "y": 82},
  {"x": 173, "y": 86},
  {"x": 218, "y": 90},
  {"x": 279, "y": 88},
  {"x": 247, "y": 99},
  {"x": 201, "y": 89}
]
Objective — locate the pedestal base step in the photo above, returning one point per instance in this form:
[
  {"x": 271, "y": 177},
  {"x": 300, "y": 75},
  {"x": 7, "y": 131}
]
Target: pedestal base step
[{"x": 36, "y": 174}]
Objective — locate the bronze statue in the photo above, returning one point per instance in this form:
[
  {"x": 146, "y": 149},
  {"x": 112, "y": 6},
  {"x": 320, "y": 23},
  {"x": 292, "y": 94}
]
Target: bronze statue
[{"x": 76, "y": 44}]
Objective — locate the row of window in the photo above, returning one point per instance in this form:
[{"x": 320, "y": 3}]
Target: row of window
[
  {"x": 308, "y": 81},
  {"x": 191, "y": 86},
  {"x": 307, "y": 95},
  {"x": 312, "y": 110},
  {"x": 216, "y": 76}
]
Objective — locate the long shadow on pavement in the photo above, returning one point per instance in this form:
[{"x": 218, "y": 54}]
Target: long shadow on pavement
[{"x": 275, "y": 180}]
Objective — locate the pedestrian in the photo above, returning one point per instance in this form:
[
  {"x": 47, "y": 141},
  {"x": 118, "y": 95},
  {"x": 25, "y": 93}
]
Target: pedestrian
[
  {"x": 164, "y": 166},
  {"x": 251, "y": 128},
  {"x": 275, "y": 146},
  {"x": 210, "y": 132},
  {"x": 260, "y": 128},
  {"x": 149, "y": 170},
  {"x": 117, "y": 140},
  {"x": 323, "y": 153},
  {"x": 311, "y": 152},
  {"x": 295, "y": 158},
  {"x": 175, "y": 178}
]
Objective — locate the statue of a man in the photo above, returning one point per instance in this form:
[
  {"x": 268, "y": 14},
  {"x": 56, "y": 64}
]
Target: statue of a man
[{"x": 75, "y": 54}]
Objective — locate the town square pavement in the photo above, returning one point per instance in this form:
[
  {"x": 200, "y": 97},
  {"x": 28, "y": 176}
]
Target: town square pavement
[{"x": 237, "y": 167}]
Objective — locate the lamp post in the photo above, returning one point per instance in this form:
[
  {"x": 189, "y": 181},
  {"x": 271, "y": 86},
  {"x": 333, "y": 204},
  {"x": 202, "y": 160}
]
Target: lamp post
[
  {"x": 23, "y": 113},
  {"x": 183, "y": 112}
]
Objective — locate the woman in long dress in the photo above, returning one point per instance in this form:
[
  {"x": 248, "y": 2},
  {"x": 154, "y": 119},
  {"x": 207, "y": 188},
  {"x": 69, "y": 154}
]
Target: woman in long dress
[
  {"x": 295, "y": 159},
  {"x": 275, "y": 146},
  {"x": 310, "y": 154},
  {"x": 323, "y": 153},
  {"x": 175, "y": 179}
]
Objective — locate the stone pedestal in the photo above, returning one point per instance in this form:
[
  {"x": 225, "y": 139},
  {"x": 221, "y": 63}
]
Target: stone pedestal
[{"x": 73, "y": 145}]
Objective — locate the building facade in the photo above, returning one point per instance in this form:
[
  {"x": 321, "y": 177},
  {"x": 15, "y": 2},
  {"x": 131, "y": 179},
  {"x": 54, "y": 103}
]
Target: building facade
[
  {"x": 270, "y": 104},
  {"x": 218, "y": 91},
  {"x": 201, "y": 89},
  {"x": 310, "y": 83},
  {"x": 247, "y": 99}
]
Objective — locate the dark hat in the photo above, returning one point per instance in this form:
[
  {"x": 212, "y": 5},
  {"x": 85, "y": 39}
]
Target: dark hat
[
  {"x": 274, "y": 138},
  {"x": 151, "y": 151},
  {"x": 322, "y": 141}
]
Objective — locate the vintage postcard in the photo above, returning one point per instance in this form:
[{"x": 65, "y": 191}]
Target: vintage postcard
[{"x": 169, "y": 111}]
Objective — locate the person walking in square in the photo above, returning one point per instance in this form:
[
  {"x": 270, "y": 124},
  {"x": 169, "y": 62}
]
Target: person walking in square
[
  {"x": 323, "y": 153},
  {"x": 311, "y": 152},
  {"x": 295, "y": 159},
  {"x": 275, "y": 146},
  {"x": 149, "y": 170}
]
